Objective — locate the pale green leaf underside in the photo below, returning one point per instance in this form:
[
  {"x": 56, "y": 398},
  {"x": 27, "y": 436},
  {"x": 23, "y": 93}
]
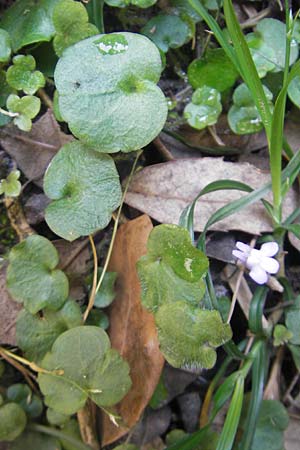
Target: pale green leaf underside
[
  {"x": 85, "y": 188},
  {"x": 108, "y": 93},
  {"x": 91, "y": 370},
  {"x": 189, "y": 335}
]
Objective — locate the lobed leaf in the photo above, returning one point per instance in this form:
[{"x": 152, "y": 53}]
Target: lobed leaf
[
  {"x": 23, "y": 76},
  {"x": 204, "y": 109},
  {"x": 91, "y": 369},
  {"x": 32, "y": 277}
]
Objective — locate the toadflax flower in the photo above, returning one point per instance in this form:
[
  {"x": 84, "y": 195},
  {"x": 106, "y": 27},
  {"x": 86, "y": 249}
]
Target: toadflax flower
[{"x": 259, "y": 262}]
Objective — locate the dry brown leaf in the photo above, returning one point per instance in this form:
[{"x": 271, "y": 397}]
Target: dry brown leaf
[
  {"x": 132, "y": 328},
  {"x": 163, "y": 191},
  {"x": 34, "y": 150},
  {"x": 9, "y": 311}
]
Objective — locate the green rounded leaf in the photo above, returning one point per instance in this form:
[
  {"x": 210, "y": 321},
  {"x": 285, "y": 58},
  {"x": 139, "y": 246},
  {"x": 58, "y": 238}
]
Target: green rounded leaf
[
  {"x": 85, "y": 188},
  {"x": 32, "y": 277},
  {"x": 98, "y": 319},
  {"x": 243, "y": 116},
  {"x": 29, "y": 21},
  {"x": 5, "y": 46},
  {"x": 37, "y": 333},
  {"x": 189, "y": 335},
  {"x": 269, "y": 44},
  {"x": 281, "y": 335},
  {"x": 11, "y": 186},
  {"x": 70, "y": 20},
  {"x": 12, "y": 421},
  {"x": 204, "y": 109},
  {"x": 26, "y": 108},
  {"x": 71, "y": 428},
  {"x": 167, "y": 31},
  {"x": 35, "y": 441},
  {"x": 292, "y": 320},
  {"x": 214, "y": 69},
  {"x": 173, "y": 268},
  {"x": 91, "y": 369},
  {"x": 294, "y": 91},
  {"x": 123, "y": 3},
  {"x": 106, "y": 293},
  {"x": 108, "y": 94},
  {"x": 56, "y": 418},
  {"x": 22, "y": 76},
  {"x": 22, "y": 394}
]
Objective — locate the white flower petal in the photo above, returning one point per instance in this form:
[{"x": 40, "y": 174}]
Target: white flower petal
[
  {"x": 269, "y": 248},
  {"x": 270, "y": 265},
  {"x": 243, "y": 247},
  {"x": 258, "y": 275},
  {"x": 240, "y": 255},
  {"x": 253, "y": 260}
]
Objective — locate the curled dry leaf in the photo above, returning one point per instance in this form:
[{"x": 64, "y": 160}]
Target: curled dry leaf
[
  {"x": 163, "y": 191},
  {"x": 132, "y": 328},
  {"x": 34, "y": 150}
]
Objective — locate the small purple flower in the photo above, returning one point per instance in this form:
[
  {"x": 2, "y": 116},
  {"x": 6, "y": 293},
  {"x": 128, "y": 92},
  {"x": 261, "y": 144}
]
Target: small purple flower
[{"x": 259, "y": 262}]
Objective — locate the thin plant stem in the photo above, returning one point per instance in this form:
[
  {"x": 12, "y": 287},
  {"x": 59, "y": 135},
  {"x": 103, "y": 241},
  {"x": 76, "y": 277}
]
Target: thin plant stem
[
  {"x": 25, "y": 372},
  {"x": 117, "y": 222},
  {"x": 58, "y": 434},
  {"x": 30, "y": 364},
  {"x": 8, "y": 113},
  {"x": 93, "y": 291},
  {"x": 235, "y": 294}
]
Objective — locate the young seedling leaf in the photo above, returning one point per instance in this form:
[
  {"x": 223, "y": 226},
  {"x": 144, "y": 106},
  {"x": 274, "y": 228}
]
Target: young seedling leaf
[
  {"x": 32, "y": 440},
  {"x": 32, "y": 277},
  {"x": 167, "y": 31},
  {"x": 91, "y": 369},
  {"x": 25, "y": 109},
  {"x": 243, "y": 116},
  {"x": 281, "y": 335},
  {"x": 204, "y": 109},
  {"x": 108, "y": 94},
  {"x": 29, "y": 21},
  {"x": 85, "y": 188},
  {"x": 214, "y": 69},
  {"x": 189, "y": 335},
  {"x": 37, "y": 333},
  {"x": 5, "y": 46},
  {"x": 11, "y": 185},
  {"x": 173, "y": 268},
  {"x": 123, "y": 3},
  {"x": 23, "y": 396},
  {"x": 23, "y": 76},
  {"x": 71, "y": 24},
  {"x": 12, "y": 421}
]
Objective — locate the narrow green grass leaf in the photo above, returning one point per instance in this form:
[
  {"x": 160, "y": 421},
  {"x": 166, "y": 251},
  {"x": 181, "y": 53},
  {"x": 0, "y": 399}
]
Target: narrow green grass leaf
[
  {"x": 257, "y": 386},
  {"x": 248, "y": 69},
  {"x": 256, "y": 309},
  {"x": 233, "y": 416}
]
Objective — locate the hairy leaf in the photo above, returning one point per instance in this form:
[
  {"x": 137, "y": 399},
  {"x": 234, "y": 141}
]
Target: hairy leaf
[
  {"x": 189, "y": 335},
  {"x": 5, "y": 46},
  {"x": 23, "y": 76},
  {"x": 173, "y": 268},
  {"x": 204, "y": 109}
]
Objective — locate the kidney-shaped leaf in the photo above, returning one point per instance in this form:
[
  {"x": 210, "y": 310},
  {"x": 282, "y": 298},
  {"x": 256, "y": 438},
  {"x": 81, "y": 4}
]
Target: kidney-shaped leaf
[
  {"x": 22, "y": 394},
  {"x": 5, "y": 46},
  {"x": 29, "y": 21},
  {"x": 172, "y": 269},
  {"x": 36, "y": 334},
  {"x": 108, "y": 94},
  {"x": 35, "y": 441},
  {"x": 32, "y": 277},
  {"x": 91, "y": 369},
  {"x": 123, "y": 3},
  {"x": 85, "y": 189},
  {"x": 204, "y": 109},
  {"x": 23, "y": 76},
  {"x": 12, "y": 421},
  {"x": 189, "y": 335}
]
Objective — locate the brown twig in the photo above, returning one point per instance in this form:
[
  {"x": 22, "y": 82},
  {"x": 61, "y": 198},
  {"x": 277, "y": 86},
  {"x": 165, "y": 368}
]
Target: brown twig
[
  {"x": 25, "y": 372},
  {"x": 17, "y": 218},
  {"x": 86, "y": 421},
  {"x": 163, "y": 150},
  {"x": 45, "y": 98}
]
